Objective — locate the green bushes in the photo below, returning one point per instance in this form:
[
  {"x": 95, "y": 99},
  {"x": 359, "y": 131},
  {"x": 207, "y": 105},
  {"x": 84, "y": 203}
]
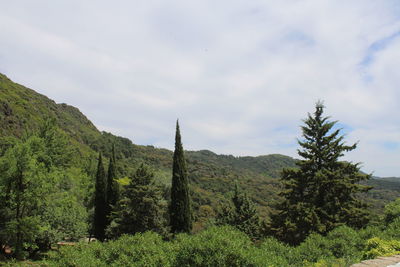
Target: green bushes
[
  {"x": 146, "y": 249},
  {"x": 226, "y": 246},
  {"x": 376, "y": 247},
  {"x": 217, "y": 246}
]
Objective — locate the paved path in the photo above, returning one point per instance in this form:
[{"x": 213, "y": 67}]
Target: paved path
[{"x": 379, "y": 262}]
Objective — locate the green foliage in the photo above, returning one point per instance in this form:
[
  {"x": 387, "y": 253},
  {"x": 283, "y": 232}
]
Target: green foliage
[
  {"x": 36, "y": 193},
  {"x": 180, "y": 211},
  {"x": 65, "y": 218},
  {"x": 322, "y": 193},
  {"x": 141, "y": 207},
  {"x": 242, "y": 215},
  {"x": 341, "y": 243},
  {"x": 112, "y": 195},
  {"x": 392, "y": 211},
  {"x": 100, "y": 202},
  {"x": 147, "y": 249},
  {"x": 217, "y": 246},
  {"x": 211, "y": 175},
  {"x": 376, "y": 247},
  {"x": 22, "y": 175},
  {"x": 392, "y": 231},
  {"x": 278, "y": 253},
  {"x": 345, "y": 242}
]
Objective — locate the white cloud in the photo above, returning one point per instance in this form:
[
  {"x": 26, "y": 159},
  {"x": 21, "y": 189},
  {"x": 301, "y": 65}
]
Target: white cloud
[{"x": 240, "y": 75}]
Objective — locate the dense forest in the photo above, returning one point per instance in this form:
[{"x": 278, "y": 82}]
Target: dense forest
[{"x": 74, "y": 196}]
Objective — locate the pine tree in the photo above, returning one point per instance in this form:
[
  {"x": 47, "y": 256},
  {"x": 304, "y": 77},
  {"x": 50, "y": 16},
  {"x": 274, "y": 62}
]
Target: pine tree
[
  {"x": 100, "y": 202},
  {"x": 322, "y": 193},
  {"x": 180, "y": 208},
  {"x": 112, "y": 186},
  {"x": 243, "y": 214},
  {"x": 141, "y": 207}
]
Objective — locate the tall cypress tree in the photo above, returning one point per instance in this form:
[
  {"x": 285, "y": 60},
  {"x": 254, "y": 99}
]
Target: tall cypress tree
[
  {"x": 321, "y": 193},
  {"x": 180, "y": 208},
  {"x": 112, "y": 186},
  {"x": 100, "y": 202}
]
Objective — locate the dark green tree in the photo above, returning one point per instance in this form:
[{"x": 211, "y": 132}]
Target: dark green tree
[
  {"x": 112, "y": 186},
  {"x": 180, "y": 208},
  {"x": 141, "y": 207},
  {"x": 321, "y": 193},
  {"x": 242, "y": 214},
  {"x": 100, "y": 202}
]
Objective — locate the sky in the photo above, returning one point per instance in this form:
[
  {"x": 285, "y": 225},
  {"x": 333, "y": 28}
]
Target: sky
[{"x": 240, "y": 75}]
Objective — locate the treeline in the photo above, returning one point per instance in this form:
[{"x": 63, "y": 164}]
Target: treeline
[{"x": 48, "y": 195}]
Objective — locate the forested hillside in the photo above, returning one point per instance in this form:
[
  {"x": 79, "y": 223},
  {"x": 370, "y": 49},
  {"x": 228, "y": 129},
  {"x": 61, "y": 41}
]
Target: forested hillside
[{"x": 211, "y": 176}]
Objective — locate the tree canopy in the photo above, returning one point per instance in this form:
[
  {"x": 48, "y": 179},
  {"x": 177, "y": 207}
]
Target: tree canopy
[{"x": 321, "y": 193}]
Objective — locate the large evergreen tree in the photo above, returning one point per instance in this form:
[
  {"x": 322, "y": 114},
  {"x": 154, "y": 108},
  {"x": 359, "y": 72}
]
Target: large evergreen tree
[
  {"x": 321, "y": 193},
  {"x": 112, "y": 185},
  {"x": 141, "y": 207},
  {"x": 100, "y": 202},
  {"x": 242, "y": 214},
  {"x": 180, "y": 208}
]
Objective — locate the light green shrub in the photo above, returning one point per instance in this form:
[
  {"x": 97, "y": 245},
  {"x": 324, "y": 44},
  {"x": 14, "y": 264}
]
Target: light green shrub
[
  {"x": 314, "y": 248},
  {"x": 146, "y": 249},
  {"x": 392, "y": 231},
  {"x": 376, "y": 247},
  {"x": 345, "y": 242},
  {"x": 278, "y": 253},
  {"x": 216, "y": 246}
]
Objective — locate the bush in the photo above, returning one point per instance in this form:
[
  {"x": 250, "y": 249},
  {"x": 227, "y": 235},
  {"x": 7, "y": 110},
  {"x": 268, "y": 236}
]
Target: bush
[
  {"x": 146, "y": 249},
  {"x": 278, "y": 253},
  {"x": 314, "y": 248},
  {"x": 376, "y": 247},
  {"x": 216, "y": 246},
  {"x": 392, "y": 211},
  {"x": 392, "y": 231},
  {"x": 345, "y": 242}
]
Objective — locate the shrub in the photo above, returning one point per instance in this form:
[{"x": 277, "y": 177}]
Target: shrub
[
  {"x": 217, "y": 246},
  {"x": 146, "y": 249},
  {"x": 376, "y": 247},
  {"x": 345, "y": 242},
  {"x": 392, "y": 211},
  {"x": 392, "y": 231},
  {"x": 314, "y": 248},
  {"x": 278, "y": 253}
]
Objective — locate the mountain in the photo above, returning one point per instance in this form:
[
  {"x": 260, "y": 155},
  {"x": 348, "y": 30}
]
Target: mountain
[{"x": 212, "y": 176}]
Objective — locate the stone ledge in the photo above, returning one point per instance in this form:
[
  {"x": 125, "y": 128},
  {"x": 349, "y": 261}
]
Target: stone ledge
[{"x": 379, "y": 262}]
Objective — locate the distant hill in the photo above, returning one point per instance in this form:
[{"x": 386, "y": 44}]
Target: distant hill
[{"x": 212, "y": 176}]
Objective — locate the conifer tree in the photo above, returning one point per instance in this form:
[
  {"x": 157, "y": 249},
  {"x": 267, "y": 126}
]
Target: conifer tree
[
  {"x": 141, "y": 207},
  {"x": 180, "y": 208},
  {"x": 112, "y": 185},
  {"x": 100, "y": 202},
  {"x": 321, "y": 193},
  {"x": 243, "y": 214}
]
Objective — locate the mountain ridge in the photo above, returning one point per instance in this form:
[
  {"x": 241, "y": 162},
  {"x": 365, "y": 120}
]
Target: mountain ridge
[{"x": 212, "y": 175}]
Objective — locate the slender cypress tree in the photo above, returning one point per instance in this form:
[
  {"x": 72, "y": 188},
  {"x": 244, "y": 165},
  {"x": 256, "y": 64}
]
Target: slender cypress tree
[
  {"x": 321, "y": 193},
  {"x": 180, "y": 208},
  {"x": 100, "y": 202},
  {"x": 112, "y": 186}
]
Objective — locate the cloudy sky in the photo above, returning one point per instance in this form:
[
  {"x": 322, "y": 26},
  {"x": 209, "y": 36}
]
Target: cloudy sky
[{"x": 239, "y": 75}]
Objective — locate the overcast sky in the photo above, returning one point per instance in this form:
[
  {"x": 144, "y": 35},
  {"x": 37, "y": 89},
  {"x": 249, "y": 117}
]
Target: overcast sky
[{"x": 239, "y": 75}]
